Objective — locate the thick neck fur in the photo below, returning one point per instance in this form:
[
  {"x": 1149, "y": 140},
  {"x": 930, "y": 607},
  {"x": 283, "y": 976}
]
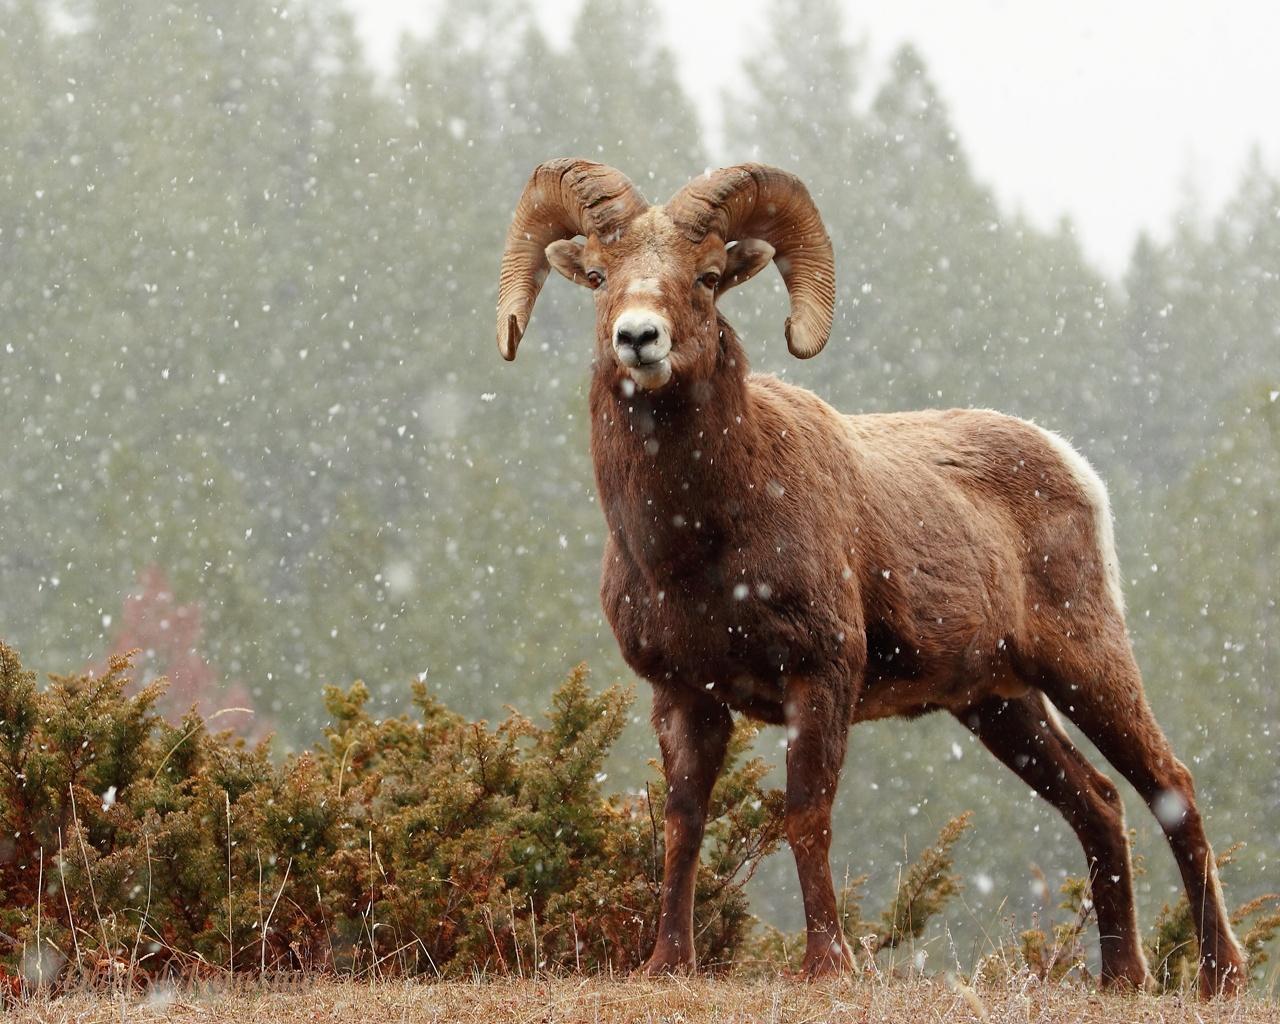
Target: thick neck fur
[{"x": 668, "y": 462}]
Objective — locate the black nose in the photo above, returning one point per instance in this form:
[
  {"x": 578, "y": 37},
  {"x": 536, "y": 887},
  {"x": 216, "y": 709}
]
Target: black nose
[{"x": 637, "y": 337}]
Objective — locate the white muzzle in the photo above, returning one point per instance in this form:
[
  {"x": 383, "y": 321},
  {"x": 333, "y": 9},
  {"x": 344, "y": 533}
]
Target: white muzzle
[{"x": 642, "y": 343}]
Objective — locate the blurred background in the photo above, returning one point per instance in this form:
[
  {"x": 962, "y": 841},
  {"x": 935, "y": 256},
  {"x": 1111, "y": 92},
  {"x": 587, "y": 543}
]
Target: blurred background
[{"x": 252, "y": 419}]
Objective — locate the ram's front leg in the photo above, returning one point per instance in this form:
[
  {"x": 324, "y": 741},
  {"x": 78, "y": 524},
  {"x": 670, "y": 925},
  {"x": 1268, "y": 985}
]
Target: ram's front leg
[
  {"x": 817, "y": 717},
  {"x": 693, "y": 731}
]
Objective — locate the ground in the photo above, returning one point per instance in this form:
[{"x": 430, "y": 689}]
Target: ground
[{"x": 578, "y": 1000}]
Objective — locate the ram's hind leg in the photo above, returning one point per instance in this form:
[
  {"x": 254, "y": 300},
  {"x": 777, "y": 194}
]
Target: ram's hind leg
[
  {"x": 1025, "y": 735},
  {"x": 693, "y": 731},
  {"x": 1100, "y": 689}
]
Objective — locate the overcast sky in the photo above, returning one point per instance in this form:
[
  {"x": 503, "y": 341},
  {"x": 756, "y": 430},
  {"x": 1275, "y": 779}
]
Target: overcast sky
[{"x": 1108, "y": 110}]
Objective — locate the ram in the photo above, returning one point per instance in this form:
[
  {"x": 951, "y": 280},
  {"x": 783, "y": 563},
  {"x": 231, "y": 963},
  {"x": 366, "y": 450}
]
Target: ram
[{"x": 768, "y": 555}]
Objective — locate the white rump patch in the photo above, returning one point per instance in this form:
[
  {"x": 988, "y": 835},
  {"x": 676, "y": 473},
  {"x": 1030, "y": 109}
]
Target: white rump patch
[{"x": 1096, "y": 493}]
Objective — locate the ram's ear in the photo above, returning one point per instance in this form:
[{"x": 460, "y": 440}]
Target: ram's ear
[
  {"x": 745, "y": 260},
  {"x": 566, "y": 256}
]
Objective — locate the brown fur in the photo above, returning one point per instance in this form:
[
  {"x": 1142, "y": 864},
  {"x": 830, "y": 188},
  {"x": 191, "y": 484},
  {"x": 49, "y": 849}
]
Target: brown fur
[{"x": 770, "y": 556}]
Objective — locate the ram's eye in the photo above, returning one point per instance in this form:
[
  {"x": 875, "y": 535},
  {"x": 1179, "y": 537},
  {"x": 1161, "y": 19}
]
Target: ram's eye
[
  {"x": 595, "y": 278},
  {"x": 710, "y": 279}
]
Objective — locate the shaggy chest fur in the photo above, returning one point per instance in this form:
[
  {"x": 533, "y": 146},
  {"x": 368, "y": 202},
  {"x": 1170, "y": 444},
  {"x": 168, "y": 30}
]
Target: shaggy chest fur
[
  {"x": 715, "y": 632},
  {"x": 704, "y": 581}
]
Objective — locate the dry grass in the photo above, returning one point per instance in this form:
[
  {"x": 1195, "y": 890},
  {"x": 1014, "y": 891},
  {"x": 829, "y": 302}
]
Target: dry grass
[{"x": 677, "y": 1001}]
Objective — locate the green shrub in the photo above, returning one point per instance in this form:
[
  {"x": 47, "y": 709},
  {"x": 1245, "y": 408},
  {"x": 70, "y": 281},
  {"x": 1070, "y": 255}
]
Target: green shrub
[
  {"x": 1172, "y": 950},
  {"x": 924, "y": 890},
  {"x": 419, "y": 843},
  {"x": 422, "y": 843},
  {"x": 132, "y": 848}
]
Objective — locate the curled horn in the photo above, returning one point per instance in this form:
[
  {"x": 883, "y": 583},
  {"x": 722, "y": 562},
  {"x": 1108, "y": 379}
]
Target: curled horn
[
  {"x": 563, "y": 198},
  {"x": 756, "y": 201}
]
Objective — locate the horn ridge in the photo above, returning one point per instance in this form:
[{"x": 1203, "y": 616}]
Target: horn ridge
[
  {"x": 563, "y": 198},
  {"x": 758, "y": 201}
]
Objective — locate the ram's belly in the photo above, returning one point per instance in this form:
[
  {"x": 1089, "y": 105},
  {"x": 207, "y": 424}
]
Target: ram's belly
[
  {"x": 931, "y": 661},
  {"x": 883, "y": 693},
  {"x": 949, "y": 690},
  {"x": 755, "y": 696}
]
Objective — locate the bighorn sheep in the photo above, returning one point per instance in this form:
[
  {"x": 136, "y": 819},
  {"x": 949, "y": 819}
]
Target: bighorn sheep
[{"x": 769, "y": 555}]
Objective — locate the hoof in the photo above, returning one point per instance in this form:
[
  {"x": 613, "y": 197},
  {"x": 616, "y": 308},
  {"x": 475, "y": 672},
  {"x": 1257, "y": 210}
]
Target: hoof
[
  {"x": 1129, "y": 979},
  {"x": 830, "y": 961},
  {"x": 1225, "y": 981},
  {"x": 664, "y": 963}
]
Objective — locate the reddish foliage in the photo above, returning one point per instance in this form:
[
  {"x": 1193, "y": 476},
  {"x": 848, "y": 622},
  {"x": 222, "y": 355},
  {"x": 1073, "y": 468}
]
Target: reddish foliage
[{"x": 169, "y": 637}]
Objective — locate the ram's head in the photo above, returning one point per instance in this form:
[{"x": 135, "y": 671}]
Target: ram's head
[{"x": 657, "y": 271}]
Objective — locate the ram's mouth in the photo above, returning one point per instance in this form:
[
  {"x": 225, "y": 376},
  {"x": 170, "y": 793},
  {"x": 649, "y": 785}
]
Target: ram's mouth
[{"x": 651, "y": 376}]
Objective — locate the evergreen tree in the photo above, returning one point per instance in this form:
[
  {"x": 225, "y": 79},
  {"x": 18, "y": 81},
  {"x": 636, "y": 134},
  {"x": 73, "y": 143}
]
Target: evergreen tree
[
  {"x": 1210, "y": 647},
  {"x": 800, "y": 112},
  {"x": 248, "y": 295}
]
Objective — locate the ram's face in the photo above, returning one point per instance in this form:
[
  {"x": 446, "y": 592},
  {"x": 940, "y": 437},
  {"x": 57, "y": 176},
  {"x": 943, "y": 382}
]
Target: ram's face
[{"x": 656, "y": 292}]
